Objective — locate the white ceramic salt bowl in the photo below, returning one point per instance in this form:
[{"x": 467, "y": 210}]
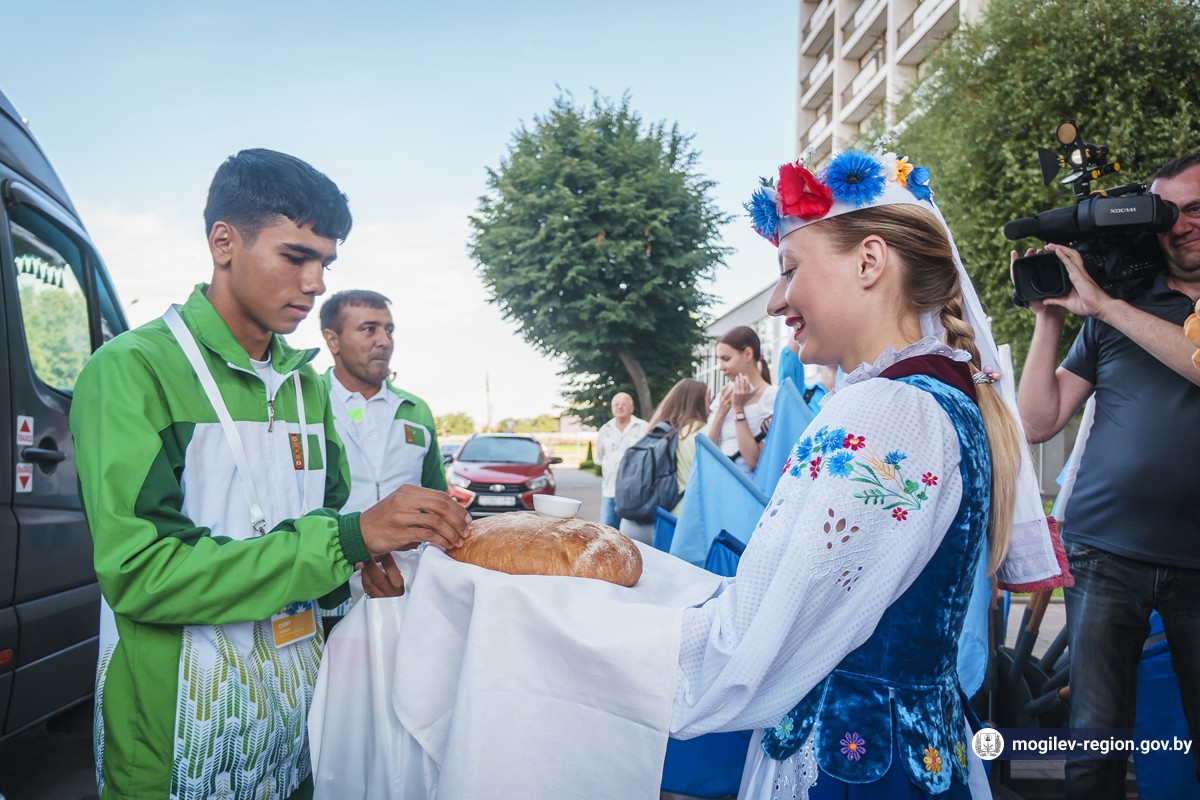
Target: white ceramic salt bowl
[{"x": 551, "y": 505}]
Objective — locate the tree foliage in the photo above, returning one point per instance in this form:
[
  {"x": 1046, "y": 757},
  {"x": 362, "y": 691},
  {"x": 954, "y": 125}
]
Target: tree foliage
[
  {"x": 594, "y": 237},
  {"x": 56, "y": 331},
  {"x": 455, "y": 424},
  {"x": 1123, "y": 69},
  {"x": 543, "y": 423}
]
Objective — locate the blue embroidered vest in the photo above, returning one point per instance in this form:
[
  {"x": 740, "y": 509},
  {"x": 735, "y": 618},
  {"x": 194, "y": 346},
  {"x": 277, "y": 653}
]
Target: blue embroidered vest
[{"x": 905, "y": 675}]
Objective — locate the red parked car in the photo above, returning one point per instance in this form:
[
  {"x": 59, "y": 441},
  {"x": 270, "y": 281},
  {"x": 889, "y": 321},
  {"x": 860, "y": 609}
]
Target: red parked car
[{"x": 497, "y": 472}]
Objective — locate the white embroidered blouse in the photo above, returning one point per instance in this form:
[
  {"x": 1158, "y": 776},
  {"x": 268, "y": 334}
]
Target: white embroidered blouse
[{"x": 867, "y": 495}]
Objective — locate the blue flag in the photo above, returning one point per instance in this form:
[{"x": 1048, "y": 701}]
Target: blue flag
[{"x": 719, "y": 497}]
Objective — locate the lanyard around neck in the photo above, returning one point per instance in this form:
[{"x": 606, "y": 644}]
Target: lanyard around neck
[{"x": 192, "y": 350}]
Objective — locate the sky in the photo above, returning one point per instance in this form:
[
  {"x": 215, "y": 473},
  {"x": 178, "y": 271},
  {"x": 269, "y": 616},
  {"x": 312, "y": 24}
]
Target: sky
[{"x": 405, "y": 106}]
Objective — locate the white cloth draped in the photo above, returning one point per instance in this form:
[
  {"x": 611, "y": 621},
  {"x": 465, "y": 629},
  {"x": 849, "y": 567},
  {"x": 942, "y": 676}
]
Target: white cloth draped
[{"x": 514, "y": 686}]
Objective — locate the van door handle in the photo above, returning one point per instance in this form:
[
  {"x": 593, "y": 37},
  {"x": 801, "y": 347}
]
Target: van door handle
[{"x": 42, "y": 455}]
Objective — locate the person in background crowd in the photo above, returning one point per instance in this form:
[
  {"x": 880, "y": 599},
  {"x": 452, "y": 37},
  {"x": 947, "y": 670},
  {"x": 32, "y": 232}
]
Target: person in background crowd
[
  {"x": 612, "y": 440},
  {"x": 737, "y": 423},
  {"x": 685, "y": 410}
]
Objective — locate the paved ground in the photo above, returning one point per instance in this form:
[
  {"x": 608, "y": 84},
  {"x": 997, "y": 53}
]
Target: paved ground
[
  {"x": 582, "y": 486},
  {"x": 53, "y": 761}
]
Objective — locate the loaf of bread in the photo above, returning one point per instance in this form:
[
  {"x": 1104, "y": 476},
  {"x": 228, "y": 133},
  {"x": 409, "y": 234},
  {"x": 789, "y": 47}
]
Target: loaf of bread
[{"x": 524, "y": 543}]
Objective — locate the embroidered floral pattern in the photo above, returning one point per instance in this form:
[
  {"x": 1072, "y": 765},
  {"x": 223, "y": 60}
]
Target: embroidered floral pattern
[
  {"x": 853, "y": 746},
  {"x": 933, "y": 760},
  {"x": 839, "y": 464},
  {"x": 784, "y": 728},
  {"x": 960, "y": 753},
  {"x": 845, "y": 454}
]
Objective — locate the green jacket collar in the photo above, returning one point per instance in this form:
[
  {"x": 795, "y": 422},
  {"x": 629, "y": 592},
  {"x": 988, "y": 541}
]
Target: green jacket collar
[{"x": 212, "y": 331}]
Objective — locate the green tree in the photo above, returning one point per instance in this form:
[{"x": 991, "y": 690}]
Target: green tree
[
  {"x": 543, "y": 423},
  {"x": 456, "y": 424},
  {"x": 1123, "y": 69},
  {"x": 56, "y": 331},
  {"x": 594, "y": 238}
]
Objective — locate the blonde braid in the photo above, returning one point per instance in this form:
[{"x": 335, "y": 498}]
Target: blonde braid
[{"x": 1004, "y": 440}]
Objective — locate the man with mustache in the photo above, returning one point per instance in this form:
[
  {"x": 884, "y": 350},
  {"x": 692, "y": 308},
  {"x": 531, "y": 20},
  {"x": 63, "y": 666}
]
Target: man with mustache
[
  {"x": 389, "y": 435},
  {"x": 1132, "y": 528},
  {"x": 212, "y": 475}
]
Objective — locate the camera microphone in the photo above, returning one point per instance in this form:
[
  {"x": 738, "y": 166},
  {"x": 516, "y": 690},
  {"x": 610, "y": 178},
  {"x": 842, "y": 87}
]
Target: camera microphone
[
  {"x": 1021, "y": 228},
  {"x": 1059, "y": 225}
]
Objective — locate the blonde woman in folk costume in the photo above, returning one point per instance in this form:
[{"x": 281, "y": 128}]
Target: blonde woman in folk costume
[{"x": 838, "y": 637}]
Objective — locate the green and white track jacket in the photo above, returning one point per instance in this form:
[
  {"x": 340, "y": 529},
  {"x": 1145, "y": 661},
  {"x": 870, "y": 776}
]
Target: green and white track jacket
[{"x": 193, "y": 698}]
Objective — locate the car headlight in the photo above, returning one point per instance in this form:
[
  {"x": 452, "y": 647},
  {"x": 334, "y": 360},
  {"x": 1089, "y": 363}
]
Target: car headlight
[
  {"x": 455, "y": 479},
  {"x": 539, "y": 483}
]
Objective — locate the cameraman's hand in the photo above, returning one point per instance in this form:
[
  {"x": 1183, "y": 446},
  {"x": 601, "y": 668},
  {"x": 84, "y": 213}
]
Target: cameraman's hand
[
  {"x": 412, "y": 515},
  {"x": 1085, "y": 298},
  {"x": 1036, "y": 306}
]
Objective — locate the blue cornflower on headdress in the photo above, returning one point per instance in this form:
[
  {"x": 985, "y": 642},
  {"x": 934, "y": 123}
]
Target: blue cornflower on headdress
[
  {"x": 918, "y": 183},
  {"x": 855, "y": 178},
  {"x": 894, "y": 458},
  {"x": 763, "y": 214}
]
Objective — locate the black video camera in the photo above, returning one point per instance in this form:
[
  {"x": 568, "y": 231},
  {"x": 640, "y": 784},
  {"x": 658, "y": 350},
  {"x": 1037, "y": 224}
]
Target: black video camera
[{"x": 1113, "y": 230}]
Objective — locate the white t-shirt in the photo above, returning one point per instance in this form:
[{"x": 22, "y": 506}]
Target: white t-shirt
[
  {"x": 756, "y": 414},
  {"x": 383, "y": 452},
  {"x": 611, "y": 444}
]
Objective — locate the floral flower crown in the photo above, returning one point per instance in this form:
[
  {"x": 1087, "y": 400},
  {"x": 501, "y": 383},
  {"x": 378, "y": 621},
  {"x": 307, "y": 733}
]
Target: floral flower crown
[{"x": 851, "y": 180}]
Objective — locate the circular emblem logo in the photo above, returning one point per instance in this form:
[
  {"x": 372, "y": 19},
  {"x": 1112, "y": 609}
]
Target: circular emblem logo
[
  {"x": 988, "y": 743},
  {"x": 496, "y": 487}
]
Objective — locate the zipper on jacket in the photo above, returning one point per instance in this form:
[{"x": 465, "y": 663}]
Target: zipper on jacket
[
  {"x": 376, "y": 491},
  {"x": 270, "y": 414}
]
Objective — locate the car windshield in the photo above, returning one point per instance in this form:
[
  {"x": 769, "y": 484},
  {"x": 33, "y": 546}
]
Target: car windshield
[{"x": 501, "y": 451}]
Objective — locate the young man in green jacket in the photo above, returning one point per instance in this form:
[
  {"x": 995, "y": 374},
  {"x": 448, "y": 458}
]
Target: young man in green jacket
[{"x": 210, "y": 472}]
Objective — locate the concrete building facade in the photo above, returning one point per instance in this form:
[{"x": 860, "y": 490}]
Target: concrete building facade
[{"x": 856, "y": 59}]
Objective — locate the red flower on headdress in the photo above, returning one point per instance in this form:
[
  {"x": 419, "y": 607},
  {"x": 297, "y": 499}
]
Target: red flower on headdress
[{"x": 801, "y": 194}]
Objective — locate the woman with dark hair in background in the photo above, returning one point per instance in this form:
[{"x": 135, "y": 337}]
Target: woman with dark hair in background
[{"x": 736, "y": 422}]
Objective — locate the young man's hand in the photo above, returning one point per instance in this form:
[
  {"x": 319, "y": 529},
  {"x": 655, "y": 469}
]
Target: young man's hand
[
  {"x": 412, "y": 515},
  {"x": 381, "y": 577}
]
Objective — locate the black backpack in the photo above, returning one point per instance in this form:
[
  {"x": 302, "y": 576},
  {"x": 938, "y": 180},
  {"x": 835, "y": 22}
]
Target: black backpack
[{"x": 646, "y": 477}]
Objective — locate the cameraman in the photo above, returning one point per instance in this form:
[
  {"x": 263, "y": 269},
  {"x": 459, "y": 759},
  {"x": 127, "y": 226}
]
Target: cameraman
[{"x": 1133, "y": 531}]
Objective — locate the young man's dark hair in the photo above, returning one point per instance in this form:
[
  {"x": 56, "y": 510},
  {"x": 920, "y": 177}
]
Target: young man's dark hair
[
  {"x": 331, "y": 311},
  {"x": 255, "y": 185}
]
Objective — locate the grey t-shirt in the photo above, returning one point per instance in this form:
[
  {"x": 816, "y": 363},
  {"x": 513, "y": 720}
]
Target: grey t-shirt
[{"x": 1137, "y": 490}]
